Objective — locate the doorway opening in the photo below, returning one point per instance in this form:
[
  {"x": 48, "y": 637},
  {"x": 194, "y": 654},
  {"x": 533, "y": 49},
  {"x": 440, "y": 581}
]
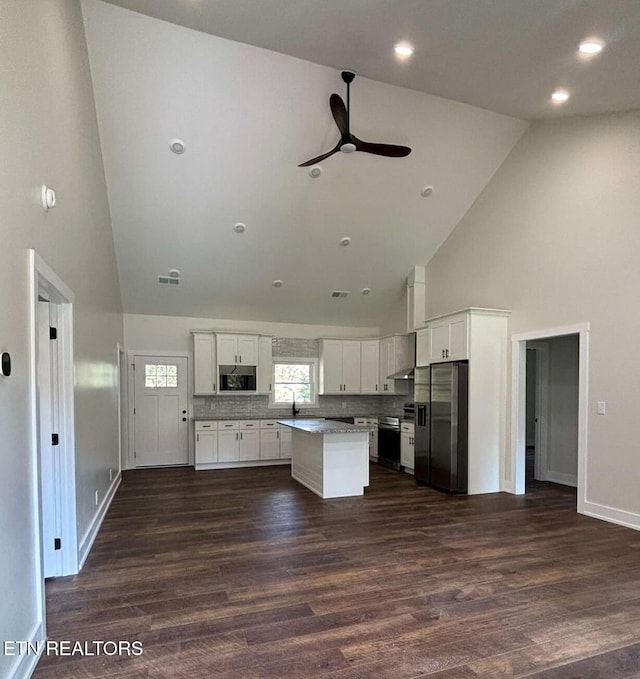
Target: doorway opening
[
  {"x": 549, "y": 409},
  {"x": 52, "y": 423},
  {"x": 552, "y": 377}
]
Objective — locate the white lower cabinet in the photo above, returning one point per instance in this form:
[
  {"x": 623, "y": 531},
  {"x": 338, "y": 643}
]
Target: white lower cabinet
[
  {"x": 373, "y": 434},
  {"x": 249, "y": 445},
  {"x": 229, "y": 443},
  {"x": 206, "y": 443},
  {"x": 407, "y": 446},
  {"x": 286, "y": 435},
  {"x": 269, "y": 444}
]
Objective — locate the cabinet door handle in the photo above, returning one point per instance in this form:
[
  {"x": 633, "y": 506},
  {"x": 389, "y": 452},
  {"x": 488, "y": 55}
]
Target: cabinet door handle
[
  {"x": 240, "y": 357},
  {"x": 269, "y": 387},
  {"x": 376, "y": 387},
  {"x": 277, "y": 434},
  {"x": 214, "y": 387},
  {"x": 241, "y": 436},
  {"x": 197, "y": 438}
]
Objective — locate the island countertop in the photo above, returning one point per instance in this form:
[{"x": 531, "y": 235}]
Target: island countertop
[{"x": 326, "y": 426}]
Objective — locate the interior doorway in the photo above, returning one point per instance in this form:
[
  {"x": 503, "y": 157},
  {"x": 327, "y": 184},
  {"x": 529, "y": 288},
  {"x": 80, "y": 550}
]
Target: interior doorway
[
  {"x": 549, "y": 417},
  {"x": 52, "y": 421}
]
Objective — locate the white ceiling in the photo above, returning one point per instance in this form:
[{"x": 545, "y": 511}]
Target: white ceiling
[
  {"x": 502, "y": 55},
  {"x": 249, "y": 116}
]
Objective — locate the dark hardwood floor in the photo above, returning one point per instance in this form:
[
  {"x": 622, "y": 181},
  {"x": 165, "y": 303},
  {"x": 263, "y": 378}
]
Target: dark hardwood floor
[{"x": 245, "y": 573}]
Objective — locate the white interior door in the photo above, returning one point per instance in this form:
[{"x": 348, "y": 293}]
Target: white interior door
[
  {"x": 160, "y": 411},
  {"x": 49, "y": 453}
]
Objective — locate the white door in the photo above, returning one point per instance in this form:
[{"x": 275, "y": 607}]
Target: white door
[
  {"x": 160, "y": 411},
  {"x": 331, "y": 366},
  {"x": 248, "y": 349},
  {"x": 50, "y": 470},
  {"x": 227, "y": 349},
  {"x": 351, "y": 367},
  {"x": 369, "y": 366}
]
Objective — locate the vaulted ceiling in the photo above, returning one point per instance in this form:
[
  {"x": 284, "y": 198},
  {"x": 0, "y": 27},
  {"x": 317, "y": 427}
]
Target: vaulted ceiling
[{"x": 248, "y": 117}]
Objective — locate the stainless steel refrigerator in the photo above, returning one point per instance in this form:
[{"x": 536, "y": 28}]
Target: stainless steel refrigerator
[{"x": 441, "y": 445}]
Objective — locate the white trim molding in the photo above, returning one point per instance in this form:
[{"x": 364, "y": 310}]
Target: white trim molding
[
  {"x": 90, "y": 535},
  {"x": 25, "y": 664},
  {"x": 611, "y": 514}
]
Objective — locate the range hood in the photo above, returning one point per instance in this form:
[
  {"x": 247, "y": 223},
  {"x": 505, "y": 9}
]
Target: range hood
[{"x": 406, "y": 374}]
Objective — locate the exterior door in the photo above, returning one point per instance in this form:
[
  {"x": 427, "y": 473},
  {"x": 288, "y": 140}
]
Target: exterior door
[{"x": 160, "y": 411}]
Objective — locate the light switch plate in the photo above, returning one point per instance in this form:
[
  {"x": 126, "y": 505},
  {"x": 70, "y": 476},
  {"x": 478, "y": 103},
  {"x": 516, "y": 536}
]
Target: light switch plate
[{"x": 602, "y": 407}]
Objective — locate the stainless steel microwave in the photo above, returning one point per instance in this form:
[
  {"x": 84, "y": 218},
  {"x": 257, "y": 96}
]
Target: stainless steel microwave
[{"x": 237, "y": 378}]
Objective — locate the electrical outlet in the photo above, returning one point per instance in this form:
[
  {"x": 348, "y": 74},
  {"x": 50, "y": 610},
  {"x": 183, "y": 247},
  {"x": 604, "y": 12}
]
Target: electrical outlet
[
  {"x": 344, "y": 405},
  {"x": 602, "y": 408},
  {"x": 96, "y": 498}
]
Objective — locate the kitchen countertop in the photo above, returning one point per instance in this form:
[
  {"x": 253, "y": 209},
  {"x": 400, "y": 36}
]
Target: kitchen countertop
[{"x": 325, "y": 426}]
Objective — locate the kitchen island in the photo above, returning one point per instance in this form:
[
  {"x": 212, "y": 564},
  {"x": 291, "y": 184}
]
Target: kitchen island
[{"x": 330, "y": 458}]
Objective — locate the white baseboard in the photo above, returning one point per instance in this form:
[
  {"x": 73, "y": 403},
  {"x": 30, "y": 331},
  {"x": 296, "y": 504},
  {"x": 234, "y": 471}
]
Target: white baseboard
[
  {"x": 90, "y": 535},
  {"x": 25, "y": 665},
  {"x": 564, "y": 479},
  {"x": 619, "y": 516},
  {"x": 241, "y": 465}
]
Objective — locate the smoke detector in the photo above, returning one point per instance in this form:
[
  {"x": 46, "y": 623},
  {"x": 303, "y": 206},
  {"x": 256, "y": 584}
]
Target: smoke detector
[
  {"x": 177, "y": 146},
  {"x": 339, "y": 294}
]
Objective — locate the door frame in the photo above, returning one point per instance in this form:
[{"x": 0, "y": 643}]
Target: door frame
[
  {"x": 43, "y": 280},
  {"x": 148, "y": 353},
  {"x": 541, "y": 408},
  {"x": 516, "y": 484},
  {"x": 123, "y": 419}
]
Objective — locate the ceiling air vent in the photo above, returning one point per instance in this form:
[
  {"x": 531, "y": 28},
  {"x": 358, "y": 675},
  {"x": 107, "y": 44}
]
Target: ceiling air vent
[
  {"x": 168, "y": 280},
  {"x": 340, "y": 293}
]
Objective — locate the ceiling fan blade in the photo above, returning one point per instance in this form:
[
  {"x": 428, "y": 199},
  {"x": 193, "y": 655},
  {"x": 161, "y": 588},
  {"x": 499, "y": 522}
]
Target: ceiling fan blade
[
  {"x": 389, "y": 150},
  {"x": 340, "y": 115},
  {"x": 313, "y": 161}
]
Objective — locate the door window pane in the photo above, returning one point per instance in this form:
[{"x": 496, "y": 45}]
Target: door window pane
[{"x": 160, "y": 375}]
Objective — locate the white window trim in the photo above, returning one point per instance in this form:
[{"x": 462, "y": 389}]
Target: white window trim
[{"x": 314, "y": 381}]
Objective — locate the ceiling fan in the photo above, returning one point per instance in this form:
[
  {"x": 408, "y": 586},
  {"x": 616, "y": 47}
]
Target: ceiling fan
[{"x": 349, "y": 142}]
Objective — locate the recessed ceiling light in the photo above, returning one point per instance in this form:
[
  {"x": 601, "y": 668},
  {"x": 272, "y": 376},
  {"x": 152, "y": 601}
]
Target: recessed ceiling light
[
  {"x": 560, "y": 96},
  {"x": 427, "y": 191},
  {"x": 315, "y": 171},
  {"x": 345, "y": 241},
  {"x": 177, "y": 146},
  {"x": 591, "y": 46},
  {"x": 277, "y": 283},
  {"x": 365, "y": 291},
  {"x": 239, "y": 227},
  {"x": 403, "y": 49}
]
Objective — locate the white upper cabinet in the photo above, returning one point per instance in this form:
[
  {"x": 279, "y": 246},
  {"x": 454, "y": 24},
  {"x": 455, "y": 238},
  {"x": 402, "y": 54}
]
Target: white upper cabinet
[
  {"x": 265, "y": 365},
  {"x": 448, "y": 338},
  {"x": 204, "y": 364},
  {"x": 394, "y": 356},
  {"x": 370, "y": 366},
  {"x": 237, "y": 349},
  {"x": 339, "y": 367}
]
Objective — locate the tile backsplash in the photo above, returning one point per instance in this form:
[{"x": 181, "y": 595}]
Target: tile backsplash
[{"x": 257, "y": 407}]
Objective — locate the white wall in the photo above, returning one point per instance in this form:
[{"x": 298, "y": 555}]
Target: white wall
[
  {"x": 172, "y": 333},
  {"x": 555, "y": 238},
  {"x": 48, "y": 133}
]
